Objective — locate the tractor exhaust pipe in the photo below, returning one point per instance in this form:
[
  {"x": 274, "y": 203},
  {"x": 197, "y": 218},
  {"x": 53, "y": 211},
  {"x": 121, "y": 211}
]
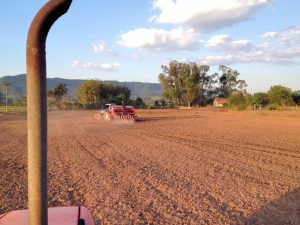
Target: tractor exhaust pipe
[{"x": 37, "y": 109}]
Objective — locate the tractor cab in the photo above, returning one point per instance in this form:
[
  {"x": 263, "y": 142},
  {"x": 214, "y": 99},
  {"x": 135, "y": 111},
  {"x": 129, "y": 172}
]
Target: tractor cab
[{"x": 107, "y": 107}]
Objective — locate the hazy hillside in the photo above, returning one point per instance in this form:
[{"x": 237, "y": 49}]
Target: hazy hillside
[{"x": 18, "y": 86}]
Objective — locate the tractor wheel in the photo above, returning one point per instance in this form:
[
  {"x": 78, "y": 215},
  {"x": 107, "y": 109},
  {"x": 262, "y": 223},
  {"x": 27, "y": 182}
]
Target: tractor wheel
[{"x": 107, "y": 117}]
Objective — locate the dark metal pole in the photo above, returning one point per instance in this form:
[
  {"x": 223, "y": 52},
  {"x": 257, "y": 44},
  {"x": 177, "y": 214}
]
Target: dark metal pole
[
  {"x": 6, "y": 93},
  {"x": 37, "y": 109}
]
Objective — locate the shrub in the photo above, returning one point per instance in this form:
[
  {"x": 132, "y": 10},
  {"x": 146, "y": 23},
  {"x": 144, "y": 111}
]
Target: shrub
[
  {"x": 273, "y": 106},
  {"x": 260, "y": 98},
  {"x": 237, "y": 101},
  {"x": 280, "y": 95}
]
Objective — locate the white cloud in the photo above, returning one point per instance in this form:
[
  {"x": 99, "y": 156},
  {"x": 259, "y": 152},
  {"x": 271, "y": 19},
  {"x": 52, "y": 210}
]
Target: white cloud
[
  {"x": 160, "y": 40},
  {"x": 289, "y": 53},
  {"x": 102, "y": 48},
  {"x": 268, "y": 56},
  {"x": 206, "y": 14},
  {"x": 95, "y": 66},
  {"x": 282, "y": 48},
  {"x": 269, "y": 35},
  {"x": 225, "y": 43},
  {"x": 219, "y": 60},
  {"x": 288, "y": 37}
]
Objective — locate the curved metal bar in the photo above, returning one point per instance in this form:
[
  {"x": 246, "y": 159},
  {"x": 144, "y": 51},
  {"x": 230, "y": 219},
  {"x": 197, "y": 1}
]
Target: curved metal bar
[{"x": 37, "y": 108}]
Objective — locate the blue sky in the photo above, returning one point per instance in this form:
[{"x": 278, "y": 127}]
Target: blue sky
[{"x": 129, "y": 40}]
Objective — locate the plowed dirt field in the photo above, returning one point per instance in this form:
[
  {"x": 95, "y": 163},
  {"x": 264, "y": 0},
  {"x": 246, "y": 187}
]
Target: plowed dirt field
[{"x": 198, "y": 166}]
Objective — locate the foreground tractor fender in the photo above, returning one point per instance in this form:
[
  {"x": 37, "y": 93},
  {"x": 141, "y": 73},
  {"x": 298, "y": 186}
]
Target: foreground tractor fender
[{"x": 74, "y": 215}]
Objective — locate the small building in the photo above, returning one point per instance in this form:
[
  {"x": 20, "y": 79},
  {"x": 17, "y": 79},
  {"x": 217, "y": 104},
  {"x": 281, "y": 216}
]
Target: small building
[{"x": 219, "y": 102}]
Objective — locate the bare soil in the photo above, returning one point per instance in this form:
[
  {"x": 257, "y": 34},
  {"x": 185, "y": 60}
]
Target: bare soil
[{"x": 196, "y": 166}]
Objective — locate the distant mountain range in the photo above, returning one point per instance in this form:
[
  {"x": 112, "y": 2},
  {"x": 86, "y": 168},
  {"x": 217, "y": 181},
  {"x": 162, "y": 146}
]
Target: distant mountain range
[{"x": 143, "y": 90}]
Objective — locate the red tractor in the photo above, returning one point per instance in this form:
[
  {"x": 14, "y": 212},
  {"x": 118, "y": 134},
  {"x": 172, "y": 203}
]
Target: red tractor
[{"x": 120, "y": 113}]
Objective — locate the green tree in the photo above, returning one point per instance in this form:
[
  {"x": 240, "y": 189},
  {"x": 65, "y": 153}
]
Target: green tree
[
  {"x": 60, "y": 91},
  {"x": 114, "y": 94},
  {"x": 171, "y": 83},
  {"x": 190, "y": 82},
  {"x": 280, "y": 95},
  {"x": 139, "y": 103},
  {"x": 159, "y": 103},
  {"x": 237, "y": 101},
  {"x": 167, "y": 88},
  {"x": 22, "y": 101},
  {"x": 296, "y": 97},
  {"x": 206, "y": 82},
  {"x": 181, "y": 83},
  {"x": 95, "y": 93},
  {"x": 229, "y": 82},
  {"x": 88, "y": 93},
  {"x": 260, "y": 98},
  {"x": 56, "y": 94}
]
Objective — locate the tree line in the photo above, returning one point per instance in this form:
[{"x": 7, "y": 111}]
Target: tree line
[
  {"x": 183, "y": 84},
  {"x": 190, "y": 84},
  {"x": 277, "y": 97},
  {"x": 92, "y": 94}
]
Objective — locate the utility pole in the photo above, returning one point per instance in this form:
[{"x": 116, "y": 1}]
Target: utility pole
[
  {"x": 6, "y": 85},
  {"x": 6, "y": 92}
]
